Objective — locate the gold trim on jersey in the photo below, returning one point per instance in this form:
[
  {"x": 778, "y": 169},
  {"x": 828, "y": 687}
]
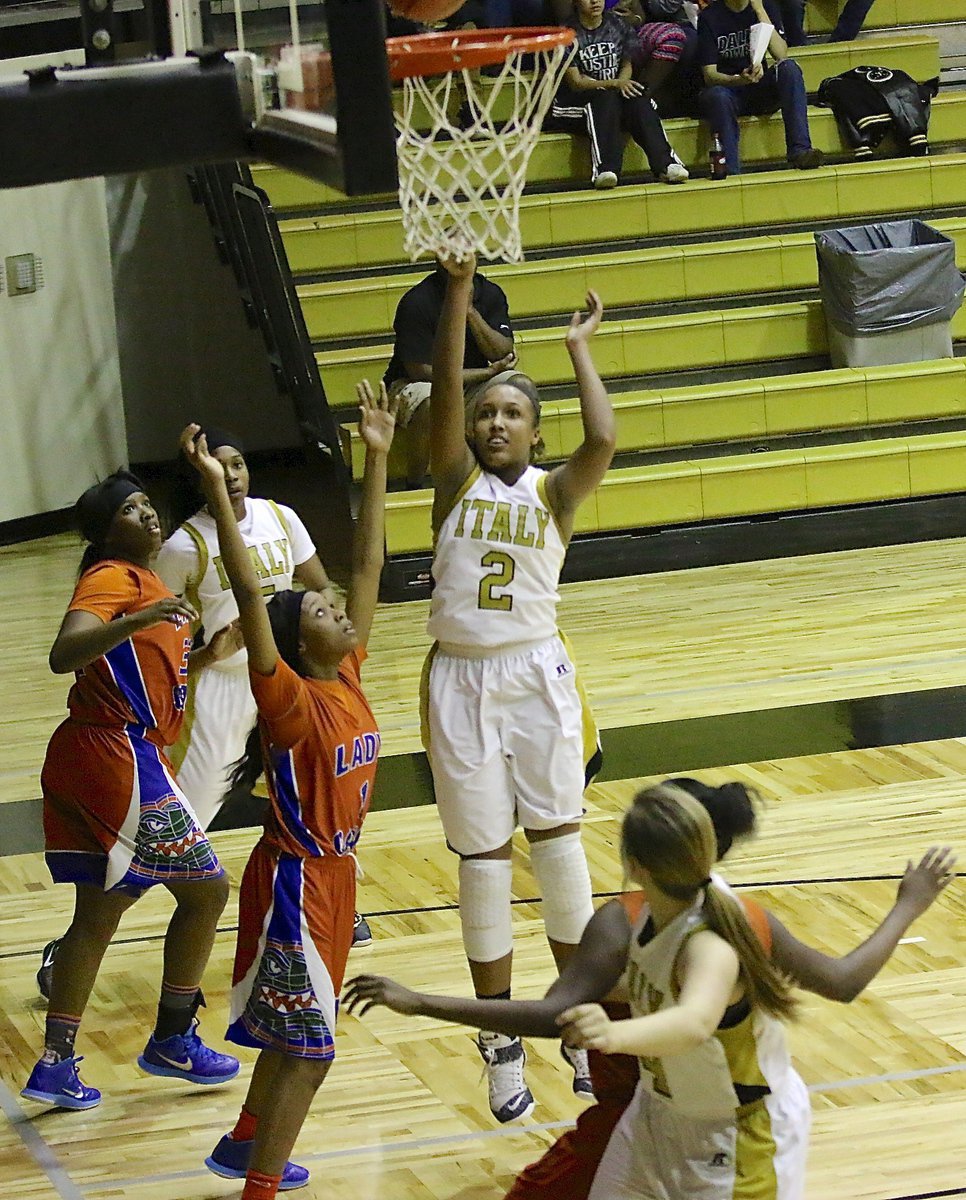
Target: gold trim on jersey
[
  {"x": 280, "y": 517},
  {"x": 591, "y": 734},
  {"x": 542, "y": 493},
  {"x": 460, "y": 493},
  {"x": 193, "y": 583},
  {"x": 424, "y": 696},
  {"x": 755, "y": 1154},
  {"x": 741, "y": 1052}
]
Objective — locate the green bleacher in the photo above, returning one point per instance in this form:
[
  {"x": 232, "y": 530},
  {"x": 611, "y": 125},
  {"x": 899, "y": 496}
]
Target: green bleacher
[{"x": 715, "y": 290}]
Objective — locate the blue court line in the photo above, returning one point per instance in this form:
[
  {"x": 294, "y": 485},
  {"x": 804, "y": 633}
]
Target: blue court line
[
  {"x": 40, "y": 1151},
  {"x": 380, "y": 1149}
]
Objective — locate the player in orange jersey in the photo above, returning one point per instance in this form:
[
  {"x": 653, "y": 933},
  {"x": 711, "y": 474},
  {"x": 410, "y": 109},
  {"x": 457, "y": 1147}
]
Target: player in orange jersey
[
  {"x": 566, "y": 1171},
  {"x": 319, "y": 744},
  {"x": 115, "y": 821}
]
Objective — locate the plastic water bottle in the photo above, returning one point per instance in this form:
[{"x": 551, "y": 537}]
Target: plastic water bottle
[{"x": 717, "y": 160}]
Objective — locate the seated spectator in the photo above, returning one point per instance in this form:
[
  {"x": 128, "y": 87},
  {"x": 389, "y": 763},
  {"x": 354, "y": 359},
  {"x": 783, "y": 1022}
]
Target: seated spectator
[
  {"x": 667, "y": 40},
  {"x": 489, "y": 352},
  {"x": 600, "y": 99},
  {"x": 734, "y": 88},
  {"x": 849, "y": 22}
]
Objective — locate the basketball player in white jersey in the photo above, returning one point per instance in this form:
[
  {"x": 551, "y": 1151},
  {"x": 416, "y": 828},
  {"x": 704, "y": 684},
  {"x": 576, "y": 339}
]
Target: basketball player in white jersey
[
  {"x": 507, "y": 732},
  {"x": 220, "y": 712},
  {"x": 719, "y": 1112}
]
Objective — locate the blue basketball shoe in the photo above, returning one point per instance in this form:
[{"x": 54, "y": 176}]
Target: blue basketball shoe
[
  {"x": 230, "y": 1160},
  {"x": 58, "y": 1083},
  {"x": 185, "y": 1056}
]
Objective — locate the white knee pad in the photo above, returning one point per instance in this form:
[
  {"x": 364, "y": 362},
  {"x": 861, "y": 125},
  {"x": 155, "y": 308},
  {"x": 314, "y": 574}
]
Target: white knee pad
[
  {"x": 485, "y": 908},
  {"x": 560, "y": 869}
]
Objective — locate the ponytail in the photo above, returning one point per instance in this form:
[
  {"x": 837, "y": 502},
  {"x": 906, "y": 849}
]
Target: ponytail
[
  {"x": 669, "y": 832},
  {"x": 284, "y": 614},
  {"x": 245, "y": 772},
  {"x": 765, "y": 986}
]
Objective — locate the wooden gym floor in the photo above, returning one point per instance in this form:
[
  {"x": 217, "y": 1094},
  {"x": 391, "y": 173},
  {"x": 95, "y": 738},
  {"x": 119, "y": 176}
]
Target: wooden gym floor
[{"x": 403, "y": 1114}]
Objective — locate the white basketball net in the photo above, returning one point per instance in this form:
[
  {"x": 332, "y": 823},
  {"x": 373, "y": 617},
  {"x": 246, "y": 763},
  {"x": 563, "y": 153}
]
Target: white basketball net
[{"x": 460, "y": 180}]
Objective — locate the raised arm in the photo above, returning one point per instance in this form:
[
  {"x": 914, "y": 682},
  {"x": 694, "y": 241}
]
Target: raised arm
[
  {"x": 591, "y": 974},
  {"x": 377, "y": 422},
  {"x": 496, "y": 345},
  {"x": 450, "y": 459},
  {"x": 252, "y": 615},
  {"x": 571, "y": 483},
  {"x": 844, "y": 978},
  {"x": 312, "y": 575}
]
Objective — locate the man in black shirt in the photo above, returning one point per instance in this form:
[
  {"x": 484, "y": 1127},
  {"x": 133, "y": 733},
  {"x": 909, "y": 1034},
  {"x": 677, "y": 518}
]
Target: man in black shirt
[
  {"x": 734, "y": 88},
  {"x": 489, "y": 352}
]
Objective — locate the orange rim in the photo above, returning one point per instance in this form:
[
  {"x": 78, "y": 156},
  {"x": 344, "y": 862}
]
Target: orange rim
[{"x": 439, "y": 53}]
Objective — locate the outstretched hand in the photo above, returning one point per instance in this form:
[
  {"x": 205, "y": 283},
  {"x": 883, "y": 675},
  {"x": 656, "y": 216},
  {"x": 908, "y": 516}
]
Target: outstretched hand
[
  {"x": 368, "y": 991},
  {"x": 921, "y": 884},
  {"x": 377, "y": 417},
  {"x": 583, "y": 326},
  {"x": 194, "y": 446}
]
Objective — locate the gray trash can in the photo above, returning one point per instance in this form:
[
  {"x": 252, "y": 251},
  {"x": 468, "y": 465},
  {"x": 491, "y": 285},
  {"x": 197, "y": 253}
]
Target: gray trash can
[{"x": 889, "y": 291}]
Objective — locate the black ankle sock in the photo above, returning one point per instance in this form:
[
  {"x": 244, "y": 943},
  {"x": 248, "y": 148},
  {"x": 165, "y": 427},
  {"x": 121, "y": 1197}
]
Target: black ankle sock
[
  {"x": 59, "y": 1037},
  {"x": 174, "y": 1014},
  {"x": 497, "y": 996}
]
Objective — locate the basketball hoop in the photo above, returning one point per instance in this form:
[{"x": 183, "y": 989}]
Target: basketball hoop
[{"x": 460, "y": 180}]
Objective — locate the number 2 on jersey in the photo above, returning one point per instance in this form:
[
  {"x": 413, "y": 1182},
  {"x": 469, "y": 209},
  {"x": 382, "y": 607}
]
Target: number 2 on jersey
[{"x": 500, "y": 577}]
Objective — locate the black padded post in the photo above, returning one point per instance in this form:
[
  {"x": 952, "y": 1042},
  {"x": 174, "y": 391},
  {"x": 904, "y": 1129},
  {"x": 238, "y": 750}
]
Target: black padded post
[
  {"x": 99, "y": 31},
  {"x": 366, "y": 130},
  {"x": 54, "y": 127}
]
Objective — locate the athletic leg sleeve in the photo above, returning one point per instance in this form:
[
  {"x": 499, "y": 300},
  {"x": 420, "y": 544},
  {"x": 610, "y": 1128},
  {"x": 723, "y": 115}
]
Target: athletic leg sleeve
[
  {"x": 560, "y": 869},
  {"x": 485, "y": 913}
]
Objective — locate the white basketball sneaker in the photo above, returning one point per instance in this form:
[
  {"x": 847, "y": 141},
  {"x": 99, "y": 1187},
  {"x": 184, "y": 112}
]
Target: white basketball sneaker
[
  {"x": 505, "y": 1058},
  {"x": 583, "y": 1085},
  {"x": 676, "y": 173}
]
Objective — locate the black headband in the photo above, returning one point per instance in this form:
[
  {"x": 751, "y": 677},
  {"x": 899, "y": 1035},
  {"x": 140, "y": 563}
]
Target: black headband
[
  {"x": 95, "y": 509},
  {"x": 217, "y": 438},
  {"x": 285, "y": 613}
]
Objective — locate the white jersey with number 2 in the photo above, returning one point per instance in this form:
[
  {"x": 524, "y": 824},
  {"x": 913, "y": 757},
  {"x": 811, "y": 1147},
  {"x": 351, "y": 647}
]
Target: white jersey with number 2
[{"x": 497, "y": 564}]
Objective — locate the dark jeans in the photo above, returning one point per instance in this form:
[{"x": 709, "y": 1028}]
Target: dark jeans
[
  {"x": 602, "y": 116},
  {"x": 849, "y": 23},
  {"x": 782, "y": 87}
]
